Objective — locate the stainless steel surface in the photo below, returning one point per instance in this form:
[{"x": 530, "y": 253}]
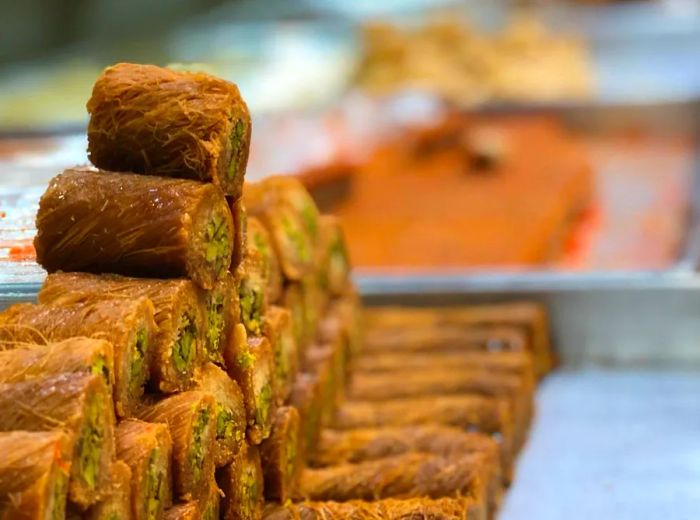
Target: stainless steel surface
[{"x": 611, "y": 445}]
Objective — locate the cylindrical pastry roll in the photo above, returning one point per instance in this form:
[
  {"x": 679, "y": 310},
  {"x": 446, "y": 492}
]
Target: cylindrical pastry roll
[
  {"x": 82, "y": 405},
  {"x": 529, "y": 317},
  {"x": 401, "y": 384},
  {"x": 191, "y": 418},
  {"x": 34, "y": 471},
  {"x": 408, "y": 475},
  {"x": 349, "y": 308},
  {"x": 179, "y": 338},
  {"x": 352, "y": 446},
  {"x": 290, "y": 238},
  {"x": 240, "y": 230},
  {"x": 158, "y": 121},
  {"x": 515, "y": 363},
  {"x": 250, "y": 362},
  {"x": 333, "y": 262},
  {"x": 74, "y": 355},
  {"x": 147, "y": 449},
  {"x": 206, "y": 508},
  {"x": 221, "y": 311},
  {"x": 134, "y": 225},
  {"x": 314, "y": 304},
  {"x": 445, "y": 338},
  {"x": 259, "y": 239},
  {"x": 127, "y": 324},
  {"x": 117, "y": 503},
  {"x": 279, "y": 331},
  {"x": 325, "y": 361},
  {"x": 307, "y": 398},
  {"x": 242, "y": 485},
  {"x": 293, "y": 300},
  {"x": 292, "y": 192},
  {"x": 231, "y": 418},
  {"x": 252, "y": 291},
  {"x": 468, "y": 412},
  {"x": 280, "y": 455},
  {"x": 462, "y": 508}
]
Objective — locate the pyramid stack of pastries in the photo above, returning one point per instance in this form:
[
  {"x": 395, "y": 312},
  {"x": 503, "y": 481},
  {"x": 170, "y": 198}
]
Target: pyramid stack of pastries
[{"x": 197, "y": 351}]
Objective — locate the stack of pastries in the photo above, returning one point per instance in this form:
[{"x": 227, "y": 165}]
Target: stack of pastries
[{"x": 197, "y": 352}]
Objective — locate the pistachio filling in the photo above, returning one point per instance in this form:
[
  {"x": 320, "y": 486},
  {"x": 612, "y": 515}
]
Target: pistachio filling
[
  {"x": 251, "y": 300},
  {"x": 185, "y": 344},
  {"x": 237, "y": 138},
  {"x": 262, "y": 247},
  {"x": 57, "y": 500},
  {"x": 114, "y": 516},
  {"x": 155, "y": 488},
  {"x": 198, "y": 448},
  {"x": 224, "y": 422},
  {"x": 295, "y": 237},
  {"x": 137, "y": 366},
  {"x": 249, "y": 492},
  {"x": 99, "y": 368},
  {"x": 217, "y": 244},
  {"x": 309, "y": 216},
  {"x": 210, "y": 512},
  {"x": 215, "y": 324},
  {"x": 263, "y": 402},
  {"x": 89, "y": 444}
]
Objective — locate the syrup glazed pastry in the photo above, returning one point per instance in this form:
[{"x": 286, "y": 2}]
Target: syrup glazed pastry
[
  {"x": 157, "y": 121},
  {"x": 251, "y": 280},
  {"x": 82, "y": 405},
  {"x": 280, "y": 455},
  {"x": 117, "y": 503},
  {"x": 279, "y": 331},
  {"x": 99, "y": 221},
  {"x": 260, "y": 241},
  {"x": 178, "y": 343},
  {"x": 231, "y": 417},
  {"x": 206, "y": 508},
  {"x": 34, "y": 471},
  {"x": 191, "y": 418},
  {"x": 147, "y": 449},
  {"x": 242, "y": 485},
  {"x": 127, "y": 324},
  {"x": 221, "y": 310},
  {"x": 462, "y": 508}
]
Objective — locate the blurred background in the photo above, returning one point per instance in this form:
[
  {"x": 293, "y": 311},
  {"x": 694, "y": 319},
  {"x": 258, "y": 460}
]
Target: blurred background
[{"x": 474, "y": 151}]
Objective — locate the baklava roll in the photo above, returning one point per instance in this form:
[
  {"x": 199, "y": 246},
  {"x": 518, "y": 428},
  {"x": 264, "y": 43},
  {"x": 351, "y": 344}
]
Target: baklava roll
[
  {"x": 206, "y": 508},
  {"x": 179, "y": 339},
  {"x": 292, "y": 192},
  {"x": 290, "y": 238},
  {"x": 462, "y": 508},
  {"x": 252, "y": 291},
  {"x": 70, "y": 356},
  {"x": 326, "y": 362},
  {"x": 158, "y": 121},
  {"x": 250, "y": 362},
  {"x": 446, "y": 338},
  {"x": 117, "y": 504},
  {"x": 242, "y": 485},
  {"x": 240, "y": 231},
  {"x": 400, "y": 476},
  {"x": 528, "y": 317},
  {"x": 293, "y": 300},
  {"x": 280, "y": 455},
  {"x": 333, "y": 261},
  {"x": 279, "y": 331},
  {"x": 307, "y": 398},
  {"x": 129, "y": 224},
  {"x": 221, "y": 309},
  {"x": 489, "y": 415},
  {"x": 352, "y": 446},
  {"x": 313, "y": 303},
  {"x": 401, "y": 384},
  {"x": 259, "y": 239},
  {"x": 34, "y": 472},
  {"x": 191, "y": 418},
  {"x": 82, "y": 405},
  {"x": 147, "y": 449},
  {"x": 231, "y": 417},
  {"x": 127, "y": 324}
]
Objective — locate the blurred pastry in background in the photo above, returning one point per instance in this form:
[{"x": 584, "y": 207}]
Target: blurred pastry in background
[{"x": 523, "y": 62}]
